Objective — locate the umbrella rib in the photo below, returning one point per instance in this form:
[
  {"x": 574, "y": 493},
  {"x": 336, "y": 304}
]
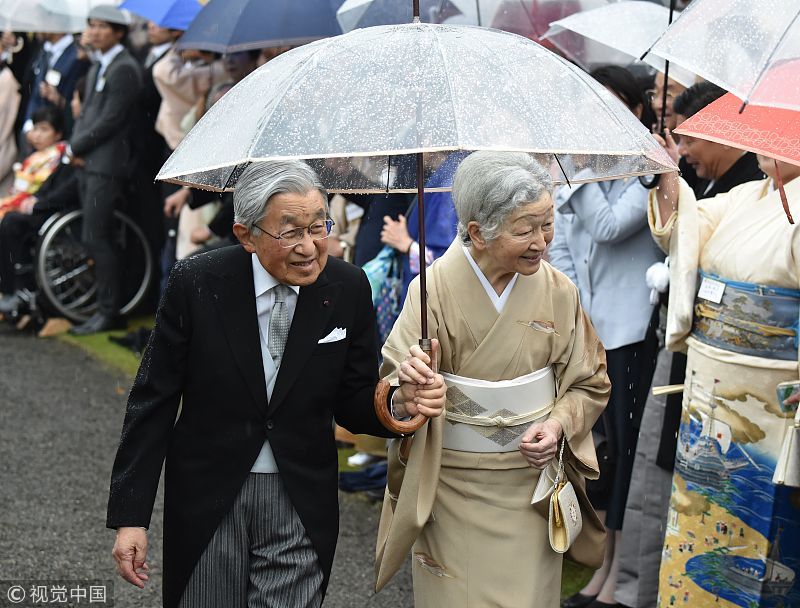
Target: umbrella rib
[
  {"x": 765, "y": 69},
  {"x": 590, "y": 82},
  {"x": 449, "y": 84},
  {"x": 292, "y": 82}
]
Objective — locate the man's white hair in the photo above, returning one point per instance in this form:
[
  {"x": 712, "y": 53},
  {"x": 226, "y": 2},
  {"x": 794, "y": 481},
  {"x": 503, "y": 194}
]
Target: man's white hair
[{"x": 261, "y": 181}]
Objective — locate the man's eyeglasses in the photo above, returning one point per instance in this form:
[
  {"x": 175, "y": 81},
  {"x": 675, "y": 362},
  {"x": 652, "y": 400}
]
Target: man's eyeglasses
[{"x": 292, "y": 238}]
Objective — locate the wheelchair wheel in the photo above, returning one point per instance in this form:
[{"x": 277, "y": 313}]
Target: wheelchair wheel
[{"x": 65, "y": 271}]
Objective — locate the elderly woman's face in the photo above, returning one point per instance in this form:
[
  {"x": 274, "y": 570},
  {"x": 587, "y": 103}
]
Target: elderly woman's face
[{"x": 525, "y": 235}]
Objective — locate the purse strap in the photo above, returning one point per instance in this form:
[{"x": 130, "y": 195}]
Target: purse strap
[{"x": 560, "y": 471}]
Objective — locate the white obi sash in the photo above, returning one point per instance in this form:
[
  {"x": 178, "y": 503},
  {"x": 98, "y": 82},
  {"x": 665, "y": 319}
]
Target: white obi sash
[{"x": 484, "y": 416}]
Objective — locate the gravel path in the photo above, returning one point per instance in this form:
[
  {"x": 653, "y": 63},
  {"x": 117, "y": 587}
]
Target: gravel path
[{"x": 60, "y": 417}]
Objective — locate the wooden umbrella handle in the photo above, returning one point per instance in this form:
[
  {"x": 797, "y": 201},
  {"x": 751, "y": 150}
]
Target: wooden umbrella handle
[
  {"x": 401, "y": 427},
  {"x": 381, "y": 402}
]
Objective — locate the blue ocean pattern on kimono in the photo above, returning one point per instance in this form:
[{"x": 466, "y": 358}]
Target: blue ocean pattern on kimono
[
  {"x": 739, "y": 481},
  {"x": 751, "y": 319}
]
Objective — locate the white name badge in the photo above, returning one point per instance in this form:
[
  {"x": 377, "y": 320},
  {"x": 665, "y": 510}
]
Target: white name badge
[
  {"x": 53, "y": 78},
  {"x": 711, "y": 290},
  {"x": 101, "y": 84},
  {"x": 21, "y": 185}
]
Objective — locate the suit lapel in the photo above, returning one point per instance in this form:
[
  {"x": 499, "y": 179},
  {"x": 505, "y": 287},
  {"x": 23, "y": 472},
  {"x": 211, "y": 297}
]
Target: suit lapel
[
  {"x": 315, "y": 304},
  {"x": 235, "y": 300},
  {"x": 91, "y": 82}
]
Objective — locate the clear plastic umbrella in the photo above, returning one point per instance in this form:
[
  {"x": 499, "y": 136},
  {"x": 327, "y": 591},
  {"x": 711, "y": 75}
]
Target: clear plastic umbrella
[
  {"x": 630, "y": 28},
  {"x": 749, "y": 47},
  {"x": 359, "y": 106},
  {"x": 47, "y": 15},
  {"x": 362, "y": 108},
  {"x": 529, "y": 18}
]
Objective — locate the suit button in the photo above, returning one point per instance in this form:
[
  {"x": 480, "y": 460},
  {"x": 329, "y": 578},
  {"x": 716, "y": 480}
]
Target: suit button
[{"x": 270, "y": 425}]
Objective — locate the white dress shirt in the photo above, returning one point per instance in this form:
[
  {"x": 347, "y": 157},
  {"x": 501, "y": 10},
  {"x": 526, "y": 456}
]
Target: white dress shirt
[
  {"x": 57, "y": 48},
  {"x": 265, "y": 299},
  {"x": 499, "y": 302},
  {"x": 105, "y": 60}
]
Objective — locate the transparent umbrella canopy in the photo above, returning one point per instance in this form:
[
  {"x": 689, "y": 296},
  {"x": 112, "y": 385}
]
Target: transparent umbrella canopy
[
  {"x": 358, "y": 107},
  {"x": 748, "y": 47},
  {"x": 47, "y": 15},
  {"x": 362, "y": 109},
  {"x": 629, "y": 27}
]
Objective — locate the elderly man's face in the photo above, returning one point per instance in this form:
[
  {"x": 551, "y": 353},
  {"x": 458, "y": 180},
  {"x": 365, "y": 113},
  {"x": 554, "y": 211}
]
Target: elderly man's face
[
  {"x": 521, "y": 244},
  {"x": 298, "y": 265}
]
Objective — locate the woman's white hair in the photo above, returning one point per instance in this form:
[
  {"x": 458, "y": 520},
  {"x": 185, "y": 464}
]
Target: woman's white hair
[
  {"x": 488, "y": 186},
  {"x": 261, "y": 181}
]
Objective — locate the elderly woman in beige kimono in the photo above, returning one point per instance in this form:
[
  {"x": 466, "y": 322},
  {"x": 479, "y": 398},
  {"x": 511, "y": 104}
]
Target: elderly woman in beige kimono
[{"x": 500, "y": 312}]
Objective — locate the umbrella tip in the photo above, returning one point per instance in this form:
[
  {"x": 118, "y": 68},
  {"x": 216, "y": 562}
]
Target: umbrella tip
[{"x": 744, "y": 105}]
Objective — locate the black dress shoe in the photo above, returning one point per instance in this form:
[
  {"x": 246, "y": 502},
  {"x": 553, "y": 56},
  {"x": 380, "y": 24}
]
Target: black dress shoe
[
  {"x": 97, "y": 323},
  {"x": 578, "y": 601}
]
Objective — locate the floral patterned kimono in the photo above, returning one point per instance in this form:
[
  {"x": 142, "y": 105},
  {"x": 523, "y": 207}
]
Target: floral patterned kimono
[
  {"x": 30, "y": 175},
  {"x": 733, "y": 536}
]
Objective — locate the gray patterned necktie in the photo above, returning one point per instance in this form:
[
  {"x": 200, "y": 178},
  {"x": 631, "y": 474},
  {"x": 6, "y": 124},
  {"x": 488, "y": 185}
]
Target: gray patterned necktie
[{"x": 278, "y": 323}]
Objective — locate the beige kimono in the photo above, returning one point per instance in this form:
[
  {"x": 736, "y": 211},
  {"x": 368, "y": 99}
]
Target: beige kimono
[{"x": 477, "y": 541}]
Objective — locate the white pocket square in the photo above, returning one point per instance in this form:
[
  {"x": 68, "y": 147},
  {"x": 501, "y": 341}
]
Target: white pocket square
[{"x": 338, "y": 333}]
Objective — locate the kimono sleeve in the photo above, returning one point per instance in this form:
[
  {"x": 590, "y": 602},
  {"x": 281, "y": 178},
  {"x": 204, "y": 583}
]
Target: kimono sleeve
[{"x": 583, "y": 386}]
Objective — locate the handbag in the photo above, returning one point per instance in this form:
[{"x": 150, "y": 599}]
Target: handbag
[
  {"x": 787, "y": 466},
  {"x": 384, "y": 273},
  {"x": 564, "y": 519}
]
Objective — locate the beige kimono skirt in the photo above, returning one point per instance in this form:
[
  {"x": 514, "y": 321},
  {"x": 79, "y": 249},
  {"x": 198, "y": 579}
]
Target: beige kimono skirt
[
  {"x": 477, "y": 541},
  {"x": 732, "y": 535}
]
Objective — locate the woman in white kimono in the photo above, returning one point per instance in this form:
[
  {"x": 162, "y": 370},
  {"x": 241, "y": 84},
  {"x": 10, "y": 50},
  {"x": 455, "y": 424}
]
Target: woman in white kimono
[
  {"x": 733, "y": 536},
  {"x": 500, "y": 312}
]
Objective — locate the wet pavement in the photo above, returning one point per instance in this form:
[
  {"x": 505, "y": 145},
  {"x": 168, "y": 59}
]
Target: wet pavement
[{"x": 60, "y": 416}]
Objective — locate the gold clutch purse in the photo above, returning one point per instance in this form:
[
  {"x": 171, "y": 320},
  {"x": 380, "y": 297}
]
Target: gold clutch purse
[{"x": 564, "y": 518}]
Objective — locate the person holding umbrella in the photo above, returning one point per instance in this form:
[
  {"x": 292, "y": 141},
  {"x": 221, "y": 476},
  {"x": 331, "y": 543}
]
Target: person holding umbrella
[
  {"x": 734, "y": 304},
  {"x": 500, "y": 312}
]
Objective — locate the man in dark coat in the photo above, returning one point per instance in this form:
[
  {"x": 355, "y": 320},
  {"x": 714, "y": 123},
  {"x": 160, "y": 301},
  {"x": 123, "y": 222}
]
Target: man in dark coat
[
  {"x": 101, "y": 148},
  {"x": 262, "y": 345},
  {"x": 52, "y": 78}
]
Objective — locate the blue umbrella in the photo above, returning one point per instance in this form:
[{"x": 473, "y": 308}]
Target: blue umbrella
[
  {"x": 172, "y": 14},
  {"x": 229, "y": 26}
]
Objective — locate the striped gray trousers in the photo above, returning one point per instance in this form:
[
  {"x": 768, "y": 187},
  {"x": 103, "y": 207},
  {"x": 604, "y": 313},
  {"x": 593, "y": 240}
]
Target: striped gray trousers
[{"x": 259, "y": 557}]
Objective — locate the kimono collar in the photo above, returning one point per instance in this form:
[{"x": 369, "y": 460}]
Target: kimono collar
[{"x": 499, "y": 302}]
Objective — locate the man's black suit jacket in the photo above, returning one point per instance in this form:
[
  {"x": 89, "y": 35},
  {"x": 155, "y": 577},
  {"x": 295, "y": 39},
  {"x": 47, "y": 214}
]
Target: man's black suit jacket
[
  {"x": 102, "y": 134},
  {"x": 205, "y": 350}
]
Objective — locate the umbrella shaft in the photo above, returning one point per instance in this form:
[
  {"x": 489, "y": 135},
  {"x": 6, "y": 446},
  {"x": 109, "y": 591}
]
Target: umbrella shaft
[
  {"x": 416, "y": 8},
  {"x": 423, "y": 291},
  {"x": 663, "y": 117}
]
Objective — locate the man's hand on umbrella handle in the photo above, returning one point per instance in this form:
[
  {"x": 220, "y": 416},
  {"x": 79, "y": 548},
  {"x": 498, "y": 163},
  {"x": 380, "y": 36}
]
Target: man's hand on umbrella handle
[{"x": 130, "y": 553}]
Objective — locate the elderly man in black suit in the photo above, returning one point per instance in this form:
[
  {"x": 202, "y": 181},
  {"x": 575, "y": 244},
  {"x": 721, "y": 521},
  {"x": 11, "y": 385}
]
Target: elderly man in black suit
[
  {"x": 264, "y": 344},
  {"x": 101, "y": 149}
]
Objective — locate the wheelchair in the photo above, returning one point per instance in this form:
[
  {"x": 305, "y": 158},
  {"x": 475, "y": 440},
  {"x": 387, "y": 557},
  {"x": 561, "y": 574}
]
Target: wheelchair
[{"x": 63, "y": 273}]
